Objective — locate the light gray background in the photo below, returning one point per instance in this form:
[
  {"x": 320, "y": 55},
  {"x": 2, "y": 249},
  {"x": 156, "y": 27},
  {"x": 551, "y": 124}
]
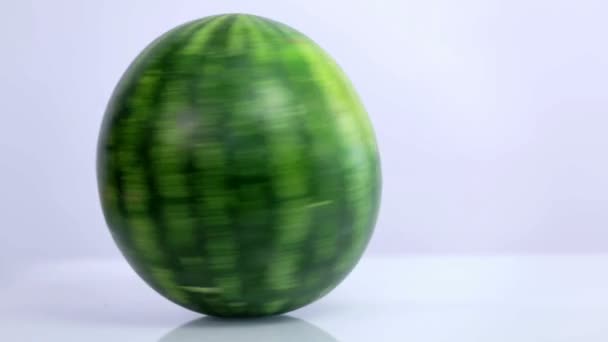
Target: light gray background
[{"x": 491, "y": 116}]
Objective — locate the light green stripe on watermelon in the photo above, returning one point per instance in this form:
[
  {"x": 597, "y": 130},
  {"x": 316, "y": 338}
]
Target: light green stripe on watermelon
[
  {"x": 237, "y": 39},
  {"x": 316, "y": 120},
  {"x": 144, "y": 230},
  {"x": 359, "y": 172},
  {"x": 289, "y": 181},
  {"x": 366, "y": 191},
  {"x": 322, "y": 207},
  {"x": 197, "y": 44},
  {"x": 359, "y": 179}
]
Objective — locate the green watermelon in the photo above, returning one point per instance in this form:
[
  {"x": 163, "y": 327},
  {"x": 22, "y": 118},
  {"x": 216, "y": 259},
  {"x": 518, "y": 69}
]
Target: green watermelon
[{"x": 237, "y": 168}]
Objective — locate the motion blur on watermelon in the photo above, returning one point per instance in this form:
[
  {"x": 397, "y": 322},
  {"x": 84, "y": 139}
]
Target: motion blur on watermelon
[{"x": 238, "y": 171}]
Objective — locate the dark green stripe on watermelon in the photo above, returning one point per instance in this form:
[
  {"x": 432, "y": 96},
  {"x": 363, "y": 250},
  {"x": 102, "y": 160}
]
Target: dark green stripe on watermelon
[
  {"x": 175, "y": 129},
  {"x": 255, "y": 183},
  {"x": 128, "y": 177},
  {"x": 250, "y": 176},
  {"x": 205, "y": 153}
]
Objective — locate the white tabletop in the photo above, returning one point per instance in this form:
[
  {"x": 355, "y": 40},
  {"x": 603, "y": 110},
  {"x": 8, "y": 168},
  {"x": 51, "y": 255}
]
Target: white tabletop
[{"x": 490, "y": 298}]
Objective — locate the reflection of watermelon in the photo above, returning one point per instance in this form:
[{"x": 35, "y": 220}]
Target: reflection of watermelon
[
  {"x": 266, "y": 330},
  {"x": 237, "y": 168}
]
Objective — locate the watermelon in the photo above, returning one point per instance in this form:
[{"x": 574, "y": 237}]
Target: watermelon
[{"x": 237, "y": 168}]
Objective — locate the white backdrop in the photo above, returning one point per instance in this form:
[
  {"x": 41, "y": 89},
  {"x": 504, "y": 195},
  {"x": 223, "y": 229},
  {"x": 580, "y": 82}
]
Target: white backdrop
[{"x": 491, "y": 116}]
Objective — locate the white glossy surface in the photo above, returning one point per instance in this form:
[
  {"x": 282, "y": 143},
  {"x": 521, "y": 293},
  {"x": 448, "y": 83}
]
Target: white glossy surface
[{"x": 525, "y": 298}]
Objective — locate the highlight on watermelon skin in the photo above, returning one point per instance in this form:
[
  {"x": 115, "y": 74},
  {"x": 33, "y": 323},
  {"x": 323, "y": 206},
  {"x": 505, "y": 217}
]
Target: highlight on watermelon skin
[{"x": 237, "y": 168}]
